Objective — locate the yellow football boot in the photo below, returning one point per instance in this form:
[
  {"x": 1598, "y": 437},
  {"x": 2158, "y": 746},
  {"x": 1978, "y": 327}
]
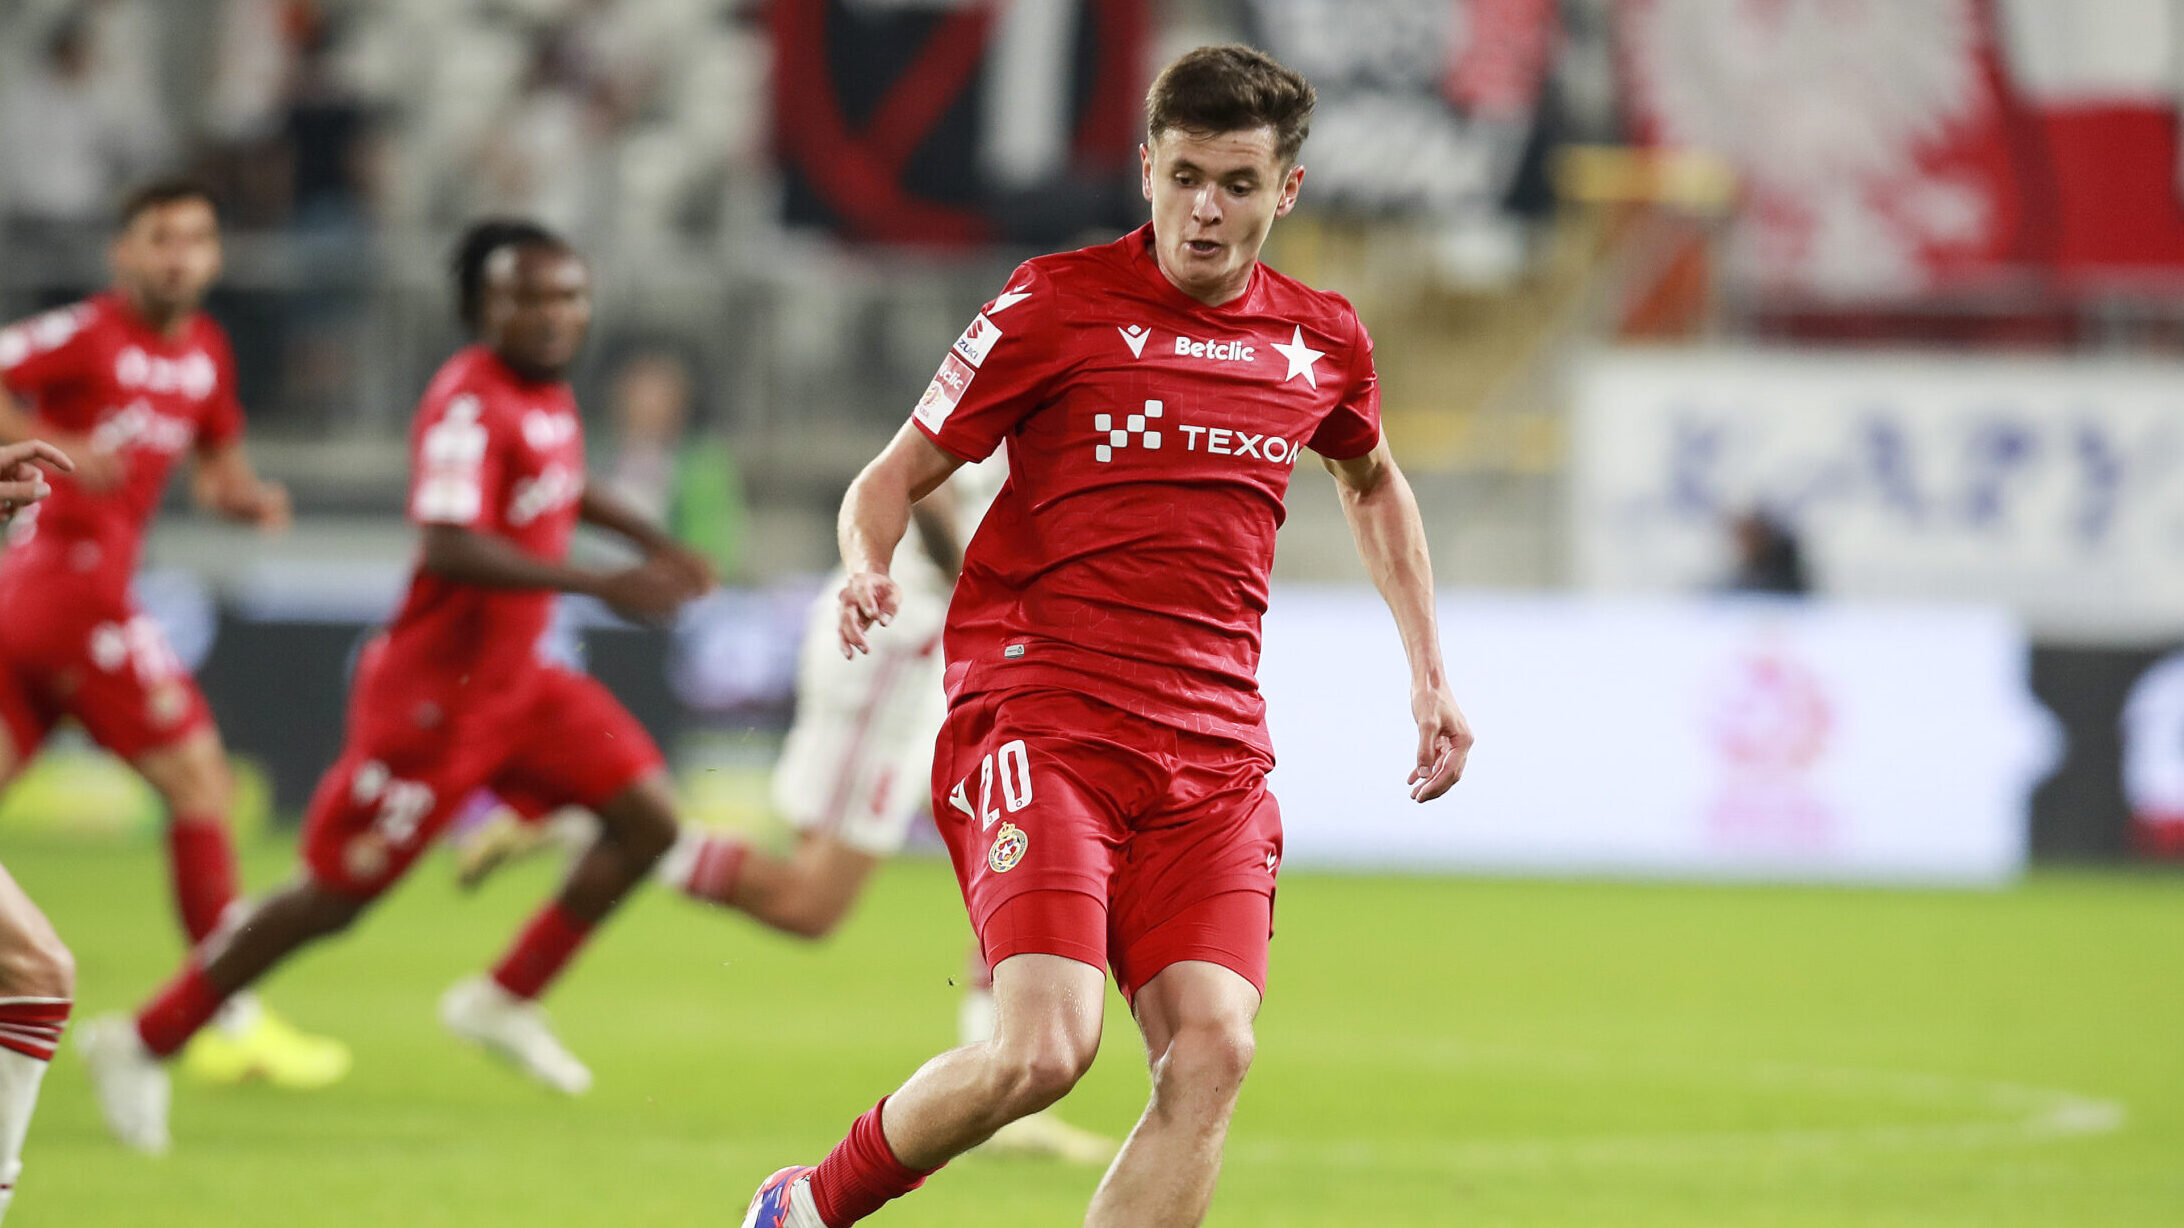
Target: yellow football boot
[{"x": 247, "y": 1041}]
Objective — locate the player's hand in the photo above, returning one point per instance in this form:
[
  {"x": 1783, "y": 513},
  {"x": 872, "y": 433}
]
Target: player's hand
[
  {"x": 1444, "y": 742},
  {"x": 869, "y": 597},
  {"x": 22, "y": 482},
  {"x": 651, "y": 591},
  {"x": 266, "y": 505},
  {"x": 688, "y": 563}
]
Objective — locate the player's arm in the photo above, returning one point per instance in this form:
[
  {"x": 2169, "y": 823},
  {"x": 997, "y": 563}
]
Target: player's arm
[
  {"x": 935, "y": 515},
  {"x": 602, "y": 508},
  {"x": 224, "y": 483},
  {"x": 467, "y": 556},
  {"x": 875, "y": 513},
  {"x": 1391, "y": 539}
]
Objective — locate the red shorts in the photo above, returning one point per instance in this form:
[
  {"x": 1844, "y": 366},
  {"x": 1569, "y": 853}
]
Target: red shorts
[
  {"x": 66, "y": 652},
  {"x": 550, "y": 737},
  {"x": 1171, "y": 835}
]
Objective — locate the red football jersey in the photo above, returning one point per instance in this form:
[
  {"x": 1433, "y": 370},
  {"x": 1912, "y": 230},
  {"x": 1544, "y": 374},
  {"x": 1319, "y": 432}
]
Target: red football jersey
[
  {"x": 494, "y": 453},
  {"x": 1151, "y": 439},
  {"x": 97, "y": 369}
]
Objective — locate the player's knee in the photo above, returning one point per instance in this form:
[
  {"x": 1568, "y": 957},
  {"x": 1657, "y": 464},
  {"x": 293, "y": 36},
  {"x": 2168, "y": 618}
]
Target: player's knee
[
  {"x": 641, "y": 824},
  {"x": 1031, "y": 1075},
  {"x": 39, "y": 966},
  {"x": 1209, "y": 1053}
]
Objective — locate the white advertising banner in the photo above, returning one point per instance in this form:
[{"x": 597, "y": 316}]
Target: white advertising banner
[
  {"x": 2053, "y": 487},
  {"x": 1735, "y": 739}
]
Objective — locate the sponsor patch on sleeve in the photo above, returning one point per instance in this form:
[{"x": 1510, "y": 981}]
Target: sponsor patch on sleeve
[
  {"x": 977, "y": 341},
  {"x": 945, "y": 392}
]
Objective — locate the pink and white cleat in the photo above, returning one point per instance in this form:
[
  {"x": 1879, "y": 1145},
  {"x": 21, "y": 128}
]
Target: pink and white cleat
[{"x": 785, "y": 1201}]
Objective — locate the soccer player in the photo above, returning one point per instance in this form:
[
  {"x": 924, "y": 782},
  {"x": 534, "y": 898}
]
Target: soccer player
[
  {"x": 454, "y": 696},
  {"x": 1101, "y": 776},
  {"x": 37, "y": 974},
  {"x": 124, "y": 382}
]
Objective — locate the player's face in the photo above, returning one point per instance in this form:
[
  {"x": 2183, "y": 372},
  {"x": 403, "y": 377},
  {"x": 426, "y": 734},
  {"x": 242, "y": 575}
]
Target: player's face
[
  {"x": 1215, "y": 196},
  {"x": 537, "y": 308},
  {"x": 168, "y": 256}
]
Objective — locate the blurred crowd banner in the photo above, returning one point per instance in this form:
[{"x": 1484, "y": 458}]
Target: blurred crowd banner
[
  {"x": 1751, "y": 740},
  {"x": 1425, "y": 106},
  {"x": 1898, "y": 147},
  {"x": 959, "y": 121},
  {"x": 2053, "y": 487}
]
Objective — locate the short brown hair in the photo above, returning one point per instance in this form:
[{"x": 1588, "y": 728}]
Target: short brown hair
[
  {"x": 1232, "y": 88},
  {"x": 158, "y": 194}
]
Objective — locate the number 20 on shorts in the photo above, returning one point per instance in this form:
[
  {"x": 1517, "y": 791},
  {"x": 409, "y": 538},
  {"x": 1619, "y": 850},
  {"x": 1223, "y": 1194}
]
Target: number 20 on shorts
[{"x": 1014, "y": 771}]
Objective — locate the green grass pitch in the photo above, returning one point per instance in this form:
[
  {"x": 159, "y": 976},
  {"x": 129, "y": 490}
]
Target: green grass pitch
[{"x": 1435, "y": 1052}]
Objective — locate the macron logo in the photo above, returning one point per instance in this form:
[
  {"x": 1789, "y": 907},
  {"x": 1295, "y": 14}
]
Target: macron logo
[
  {"x": 1215, "y": 351},
  {"x": 1134, "y": 337}
]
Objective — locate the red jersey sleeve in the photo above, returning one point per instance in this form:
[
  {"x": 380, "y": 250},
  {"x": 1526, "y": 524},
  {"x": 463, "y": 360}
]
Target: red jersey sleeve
[
  {"x": 456, "y": 472},
  {"x": 47, "y": 351},
  {"x": 221, "y": 421},
  {"x": 997, "y": 372},
  {"x": 1352, "y": 428}
]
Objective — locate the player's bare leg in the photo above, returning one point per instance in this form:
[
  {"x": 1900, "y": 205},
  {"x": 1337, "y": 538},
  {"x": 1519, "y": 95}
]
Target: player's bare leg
[
  {"x": 37, "y": 989},
  {"x": 1043, "y": 1133},
  {"x": 1196, "y": 1018},
  {"x": 1047, "y": 1031},
  {"x": 808, "y": 893},
  {"x": 193, "y": 778},
  {"x": 500, "y": 1011}
]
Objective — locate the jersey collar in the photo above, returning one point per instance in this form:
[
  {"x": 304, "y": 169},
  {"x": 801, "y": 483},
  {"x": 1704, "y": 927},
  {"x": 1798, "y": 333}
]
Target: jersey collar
[{"x": 1139, "y": 244}]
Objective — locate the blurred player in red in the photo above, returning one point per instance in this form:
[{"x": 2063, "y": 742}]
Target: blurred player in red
[
  {"x": 125, "y": 382},
  {"x": 1101, "y": 776},
  {"x": 37, "y": 974},
  {"x": 455, "y": 696}
]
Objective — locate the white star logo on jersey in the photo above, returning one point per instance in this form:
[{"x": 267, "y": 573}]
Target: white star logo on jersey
[
  {"x": 1007, "y": 299},
  {"x": 960, "y": 798},
  {"x": 1134, "y": 337},
  {"x": 1301, "y": 358}
]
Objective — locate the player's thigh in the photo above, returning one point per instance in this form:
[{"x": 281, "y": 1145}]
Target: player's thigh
[
  {"x": 34, "y": 963},
  {"x": 386, "y": 799},
  {"x": 576, "y": 745},
  {"x": 131, "y": 692},
  {"x": 1049, "y": 1004},
  {"x": 1199, "y": 883},
  {"x": 1029, "y": 803}
]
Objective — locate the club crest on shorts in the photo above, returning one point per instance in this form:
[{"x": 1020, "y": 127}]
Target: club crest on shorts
[{"x": 1008, "y": 849}]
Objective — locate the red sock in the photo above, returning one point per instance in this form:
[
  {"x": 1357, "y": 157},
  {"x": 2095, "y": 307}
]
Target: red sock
[
  {"x": 717, "y": 869},
  {"x": 180, "y": 1008},
  {"x": 541, "y": 951},
  {"x": 202, "y": 860},
  {"x": 32, "y": 1026},
  {"x": 861, "y": 1175}
]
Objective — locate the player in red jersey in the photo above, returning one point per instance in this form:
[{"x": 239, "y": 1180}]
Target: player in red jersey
[
  {"x": 1101, "y": 777},
  {"x": 455, "y": 696},
  {"x": 125, "y": 382},
  {"x": 37, "y": 974}
]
